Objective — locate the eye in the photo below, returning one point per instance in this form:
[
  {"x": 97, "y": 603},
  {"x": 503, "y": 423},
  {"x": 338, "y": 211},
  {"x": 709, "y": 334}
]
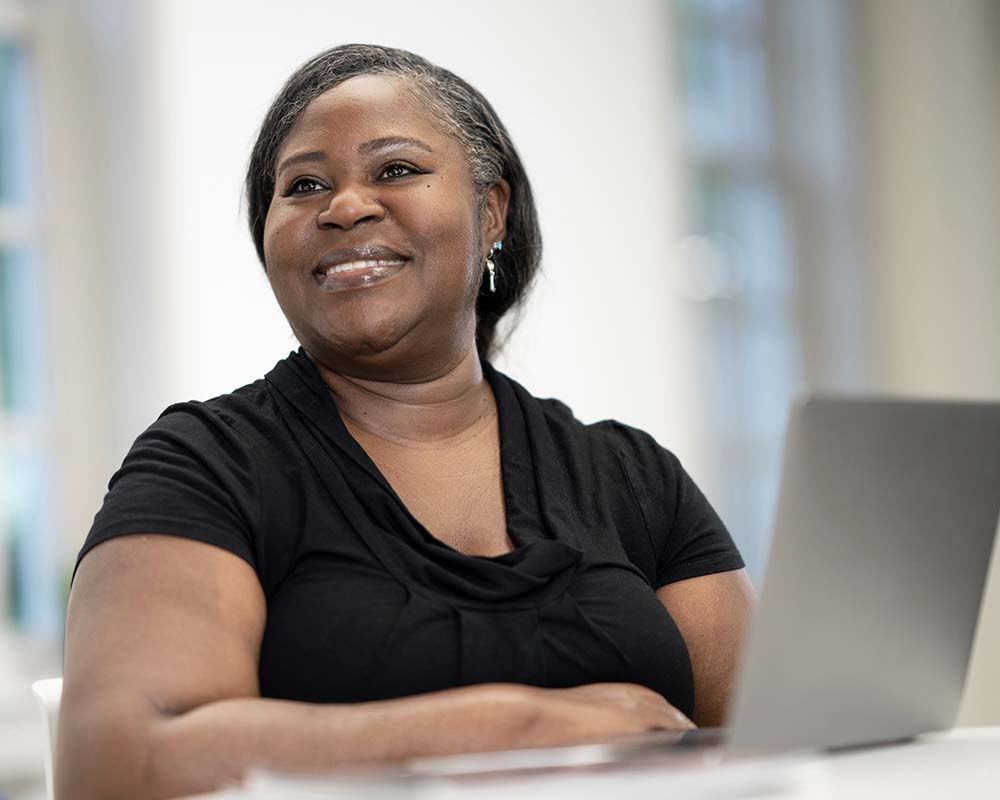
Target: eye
[
  {"x": 304, "y": 186},
  {"x": 398, "y": 170}
]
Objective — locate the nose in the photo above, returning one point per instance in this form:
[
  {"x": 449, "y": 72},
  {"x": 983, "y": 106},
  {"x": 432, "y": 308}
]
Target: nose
[{"x": 349, "y": 206}]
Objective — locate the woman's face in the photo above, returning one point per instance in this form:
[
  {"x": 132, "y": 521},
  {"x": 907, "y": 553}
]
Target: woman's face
[{"x": 374, "y": 241}]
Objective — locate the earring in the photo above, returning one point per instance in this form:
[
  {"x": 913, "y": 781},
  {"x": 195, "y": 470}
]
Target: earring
[{"x": 490, "y": 266}]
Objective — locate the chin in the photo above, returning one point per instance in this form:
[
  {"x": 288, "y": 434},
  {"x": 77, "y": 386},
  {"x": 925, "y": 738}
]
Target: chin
[{"x": 361, "y": 342}]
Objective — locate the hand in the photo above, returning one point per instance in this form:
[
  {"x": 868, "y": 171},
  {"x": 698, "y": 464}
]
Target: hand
[{"x": 601, "y": 710}]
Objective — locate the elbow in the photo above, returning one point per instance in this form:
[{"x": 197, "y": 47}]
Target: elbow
[{"x": 105, "y": 749}]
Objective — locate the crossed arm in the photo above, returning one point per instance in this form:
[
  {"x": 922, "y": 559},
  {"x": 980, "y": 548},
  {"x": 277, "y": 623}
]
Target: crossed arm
[{"x": 161, "y": 696}]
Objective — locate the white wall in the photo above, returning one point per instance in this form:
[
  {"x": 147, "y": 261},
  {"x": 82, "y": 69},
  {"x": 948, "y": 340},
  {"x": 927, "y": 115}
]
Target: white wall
[{"x": 932, "y": 148}]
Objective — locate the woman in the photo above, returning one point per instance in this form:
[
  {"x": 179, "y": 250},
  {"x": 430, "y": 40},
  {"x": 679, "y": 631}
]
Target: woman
[{"x": 386, "y": 548}]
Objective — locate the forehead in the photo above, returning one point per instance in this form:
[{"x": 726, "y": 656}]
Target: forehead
[{"x": 363, "y": 108}]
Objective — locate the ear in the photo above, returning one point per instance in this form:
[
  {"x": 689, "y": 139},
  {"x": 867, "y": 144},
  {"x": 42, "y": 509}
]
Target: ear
[{"x": 495, "y": 213}]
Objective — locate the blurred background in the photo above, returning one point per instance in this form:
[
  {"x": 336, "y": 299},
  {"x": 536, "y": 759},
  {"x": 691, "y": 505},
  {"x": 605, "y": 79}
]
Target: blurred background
[{"x": 741, "y": 200}]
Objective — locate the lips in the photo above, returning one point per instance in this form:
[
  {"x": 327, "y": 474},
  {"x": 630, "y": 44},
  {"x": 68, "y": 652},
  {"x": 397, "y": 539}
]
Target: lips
[
  {"x": 354, "y": 259},
  {"x": 357, "y": 267}
]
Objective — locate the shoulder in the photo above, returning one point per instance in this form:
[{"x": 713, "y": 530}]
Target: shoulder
[
  {"x": 214, "y": 435},
  {"x": 212, "y": 449},
  {"x": 600, "y": 443},
  {"x": 639, "y": 488},
  {"x": 610, "y": 456},
  {"x": 193, "y": 473},
  {"x": 242, "y": 409},
  {"x": 244, "y": 423},
  {"x": 685, "y": 536},
  {"x": 610, "y": 438}
]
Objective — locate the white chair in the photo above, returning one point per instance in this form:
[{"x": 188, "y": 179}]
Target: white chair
[{"x": 48, "y": 692}]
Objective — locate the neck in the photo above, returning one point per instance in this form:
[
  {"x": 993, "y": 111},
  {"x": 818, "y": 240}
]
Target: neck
[{"x": 434, "y": 407}]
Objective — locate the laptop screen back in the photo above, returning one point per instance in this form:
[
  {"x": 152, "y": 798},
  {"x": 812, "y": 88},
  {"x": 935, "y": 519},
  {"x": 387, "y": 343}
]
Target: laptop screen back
[{"x": 884, "y": 529}]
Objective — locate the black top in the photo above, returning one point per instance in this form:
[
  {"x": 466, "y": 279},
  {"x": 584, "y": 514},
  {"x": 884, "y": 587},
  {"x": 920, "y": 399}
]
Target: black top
[{"x": 363, "y": 603}]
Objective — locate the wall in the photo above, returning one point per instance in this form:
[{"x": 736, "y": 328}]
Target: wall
[{"x": 932, "y": 145}]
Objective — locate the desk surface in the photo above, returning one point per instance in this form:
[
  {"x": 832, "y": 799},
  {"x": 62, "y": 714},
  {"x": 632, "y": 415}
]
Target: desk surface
[{"x": 964, "y": 763}]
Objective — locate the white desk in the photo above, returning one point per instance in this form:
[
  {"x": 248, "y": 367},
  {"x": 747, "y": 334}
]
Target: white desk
[{"x": 964, "y": 763}]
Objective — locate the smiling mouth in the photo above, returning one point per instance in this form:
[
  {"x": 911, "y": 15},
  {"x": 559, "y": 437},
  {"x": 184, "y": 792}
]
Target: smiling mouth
[
  {"x": 352, "y": 266},
  {"x": 357, "y": 267}
]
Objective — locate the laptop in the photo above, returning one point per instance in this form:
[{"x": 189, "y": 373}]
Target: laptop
[{"x": 885, "y": 525}]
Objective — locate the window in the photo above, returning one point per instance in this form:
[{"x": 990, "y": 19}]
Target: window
[
  {"x": 29, "y": 584},
  {"x": 764, "y": 117}
]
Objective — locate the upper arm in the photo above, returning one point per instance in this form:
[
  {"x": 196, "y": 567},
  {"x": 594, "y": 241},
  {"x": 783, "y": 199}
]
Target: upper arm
[
  {"x": 696, "y": 565},
  {"x": 157, "y": 625},
  {"x": 712, "y": 613}
]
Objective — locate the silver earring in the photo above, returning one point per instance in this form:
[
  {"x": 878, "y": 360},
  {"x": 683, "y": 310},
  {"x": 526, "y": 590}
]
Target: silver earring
[{"x": 490, "y": 266}]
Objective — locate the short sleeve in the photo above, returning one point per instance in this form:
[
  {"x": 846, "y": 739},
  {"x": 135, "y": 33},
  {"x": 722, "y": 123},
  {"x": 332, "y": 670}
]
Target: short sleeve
[
  {"x": 687, "y": 537},
  {"x": 190, "y": 474}
]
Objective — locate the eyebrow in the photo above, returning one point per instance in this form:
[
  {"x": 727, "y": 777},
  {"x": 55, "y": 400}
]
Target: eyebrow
[
  {"x": 385, "y": 142},
  {"x": 312, "y": 156},
  {"x": 371, "y": 146}
]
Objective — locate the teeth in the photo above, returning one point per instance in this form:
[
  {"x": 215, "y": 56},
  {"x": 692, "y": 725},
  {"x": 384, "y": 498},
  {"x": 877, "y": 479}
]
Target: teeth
[{"x": 355, "y": 265}]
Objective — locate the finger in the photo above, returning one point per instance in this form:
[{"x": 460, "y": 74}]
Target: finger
[{"x": 672, "y": 718}]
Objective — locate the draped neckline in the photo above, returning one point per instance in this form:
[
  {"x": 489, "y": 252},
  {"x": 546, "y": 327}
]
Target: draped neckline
[{"x": 542, "y": 521}]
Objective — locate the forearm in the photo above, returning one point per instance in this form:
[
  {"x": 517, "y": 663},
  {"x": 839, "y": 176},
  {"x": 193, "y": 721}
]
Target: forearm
[
  {"x": 289, "y": 735},
  {"x": 214, "y": 744}
]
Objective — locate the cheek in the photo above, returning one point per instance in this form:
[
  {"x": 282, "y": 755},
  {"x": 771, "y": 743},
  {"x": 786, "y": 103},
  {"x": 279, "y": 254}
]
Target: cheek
[
  {"x": 283, "y": 240},
  {"x": 441, "y": 207},
  {"x": 282, "y": 255},
  {"x": 448, "y": 226}
]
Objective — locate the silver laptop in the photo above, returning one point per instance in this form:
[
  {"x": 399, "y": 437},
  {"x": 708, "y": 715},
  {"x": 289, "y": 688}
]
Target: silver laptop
[{"x": 885, "y": 526}]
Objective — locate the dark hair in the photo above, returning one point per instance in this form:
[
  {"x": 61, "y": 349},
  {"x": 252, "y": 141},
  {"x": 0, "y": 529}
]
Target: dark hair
[{"x": 464, "y": 112}]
